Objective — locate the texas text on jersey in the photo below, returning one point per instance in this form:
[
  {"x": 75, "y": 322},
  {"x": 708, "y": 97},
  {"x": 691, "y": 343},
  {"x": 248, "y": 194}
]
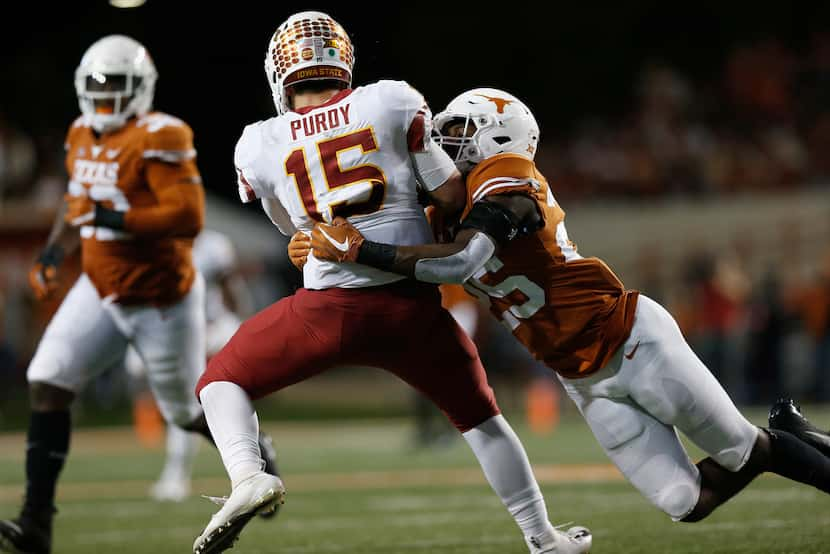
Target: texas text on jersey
[
  {"x": 113, "y": 169},
  {"x": 571, "y": 312}
]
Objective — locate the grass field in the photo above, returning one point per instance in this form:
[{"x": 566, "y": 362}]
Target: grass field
[{"x": 358, "y": 487}]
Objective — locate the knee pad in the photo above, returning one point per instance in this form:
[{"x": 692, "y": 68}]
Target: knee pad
[
  {"x": 678, "y": 499},
  {"x": 736, "y": 457}
]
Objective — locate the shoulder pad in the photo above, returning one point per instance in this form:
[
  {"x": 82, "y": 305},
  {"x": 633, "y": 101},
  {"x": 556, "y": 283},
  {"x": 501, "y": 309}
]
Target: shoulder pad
[{"x": 167, "y": 138}]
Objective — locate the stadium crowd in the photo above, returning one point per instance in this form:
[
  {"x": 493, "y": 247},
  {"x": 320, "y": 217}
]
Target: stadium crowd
[{"x": 761, "y": 123}]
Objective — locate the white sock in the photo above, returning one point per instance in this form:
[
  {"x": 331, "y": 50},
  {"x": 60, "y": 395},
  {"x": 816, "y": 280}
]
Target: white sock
[
  {"x": 235, "y": 428},
  {"x": 181, "y": 448},
  {"x": 507, "y": 469}
]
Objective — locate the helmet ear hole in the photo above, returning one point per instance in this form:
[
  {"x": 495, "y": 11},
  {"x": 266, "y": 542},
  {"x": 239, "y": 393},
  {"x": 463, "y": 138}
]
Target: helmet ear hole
[{"x": 501, "y": 140}]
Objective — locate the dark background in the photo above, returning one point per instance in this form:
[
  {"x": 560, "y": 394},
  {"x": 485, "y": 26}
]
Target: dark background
[
  {"x": 643, "y": 107},
  {"x": 566, "y": 60}
]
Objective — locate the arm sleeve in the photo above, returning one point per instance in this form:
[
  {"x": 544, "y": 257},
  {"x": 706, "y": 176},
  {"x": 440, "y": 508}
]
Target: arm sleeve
[
  {"x": 432, "y": 166},
  {"x": 457, "y": 268},
  {"x": 174, "y": 179}
]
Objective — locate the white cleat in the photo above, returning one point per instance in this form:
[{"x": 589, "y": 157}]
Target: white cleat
[
  {"x": 257, "y": 494},
  {"x": 170, "y": 490},
  {"x": 575, "y": 540}
]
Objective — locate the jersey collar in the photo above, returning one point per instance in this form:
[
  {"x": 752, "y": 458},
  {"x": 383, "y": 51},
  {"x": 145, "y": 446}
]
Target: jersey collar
[{"x": 333, "y": 100}]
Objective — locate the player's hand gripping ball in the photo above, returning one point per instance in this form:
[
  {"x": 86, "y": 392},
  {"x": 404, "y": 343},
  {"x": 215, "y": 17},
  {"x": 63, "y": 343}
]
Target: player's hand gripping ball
[{"x": 338, "y": 242}]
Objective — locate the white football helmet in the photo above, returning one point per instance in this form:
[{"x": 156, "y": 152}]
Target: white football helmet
[
  {"x": 115, "y": 80},
  {"x": 308, "y": 46},
  {"x": 494, "y": 122}
]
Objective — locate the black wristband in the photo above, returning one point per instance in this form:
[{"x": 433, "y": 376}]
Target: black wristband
[
  {"x": 111, "y": 219},
  {"x": 51, "y": 255},
  {"x": 376, "y": 254}
]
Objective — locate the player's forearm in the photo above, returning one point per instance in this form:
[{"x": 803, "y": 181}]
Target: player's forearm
[
  {"x": 432, "y": 263},
  {"x": 180, "y": 214},
  {"x": 163, "y": 222},
  {"x": 402, "y": 259},
  {"x": 63, "y": 239}
]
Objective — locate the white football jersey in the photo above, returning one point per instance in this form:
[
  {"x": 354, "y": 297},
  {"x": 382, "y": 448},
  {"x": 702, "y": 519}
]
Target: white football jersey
[{"x": 349, "y": 157}]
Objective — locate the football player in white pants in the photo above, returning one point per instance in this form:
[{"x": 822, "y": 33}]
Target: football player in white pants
[
  {"x": 364, "y": 151},
  {"x": 620, "y": 356},
  {"x": 226, "y": 302},
  {"x": 135, "y": 199}
]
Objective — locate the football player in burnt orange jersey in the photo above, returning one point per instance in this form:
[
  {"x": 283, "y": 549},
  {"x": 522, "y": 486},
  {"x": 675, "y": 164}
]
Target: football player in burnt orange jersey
[
  {"x": 136, "y": 199},
  {"x": 619, "y": 355}
]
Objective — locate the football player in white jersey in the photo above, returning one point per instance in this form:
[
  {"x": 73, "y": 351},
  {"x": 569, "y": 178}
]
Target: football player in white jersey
[
  {"x": 363, "y": 153},
  {"x": 227, "y": 302},
  {"x": 619, "y": 355}
]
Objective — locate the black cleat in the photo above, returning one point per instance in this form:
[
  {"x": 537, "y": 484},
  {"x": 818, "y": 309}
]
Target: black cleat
[
  {"x": 785, "y": 415},
  {"x": 20, "y": 536},
  {"x": 269, "y": 455}
]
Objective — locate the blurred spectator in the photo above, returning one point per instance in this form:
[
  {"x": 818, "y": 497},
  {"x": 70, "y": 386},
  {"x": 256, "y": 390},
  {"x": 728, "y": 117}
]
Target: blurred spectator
[
  {"x": 721, "y": 338},
  {"x": 812, "y": 304},
  {"x": 768, "y": 323},
  {"x": 759, "y": 80},
  {"x": 765, "y": 127},
  {"x": 17, "y": 160}
]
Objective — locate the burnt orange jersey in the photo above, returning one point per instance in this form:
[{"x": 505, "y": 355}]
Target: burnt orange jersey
[
  {"x": 453, "y": 295},
  {"x": 135, "y": 170},
  {"x": 571, "y": 312}
]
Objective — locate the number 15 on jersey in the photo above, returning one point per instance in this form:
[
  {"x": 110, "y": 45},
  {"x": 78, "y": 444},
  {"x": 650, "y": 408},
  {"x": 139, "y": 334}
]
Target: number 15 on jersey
[{"x": 355, "y": 190}]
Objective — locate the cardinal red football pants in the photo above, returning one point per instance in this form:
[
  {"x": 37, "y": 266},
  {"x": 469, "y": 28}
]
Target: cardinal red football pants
[{"x": 400, "y": 328}]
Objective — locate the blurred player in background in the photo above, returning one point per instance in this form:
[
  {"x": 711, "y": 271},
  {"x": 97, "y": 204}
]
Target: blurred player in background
[
  {"x": 363, "y": 152},
  {"x": 136, "y": 199},
  {"x": 227, "y": 303},
  {"x": 620, "y": 355}
]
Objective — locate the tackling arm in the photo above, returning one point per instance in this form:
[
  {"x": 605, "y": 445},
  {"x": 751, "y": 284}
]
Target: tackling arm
[
  {"x": 436, "y": 263},
  {"x": 489, "y": 225}
]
